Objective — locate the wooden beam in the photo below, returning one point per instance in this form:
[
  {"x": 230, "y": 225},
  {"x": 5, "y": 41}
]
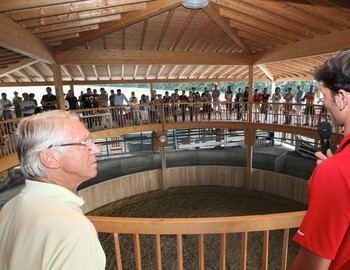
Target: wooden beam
[
  {"x": 37, "y": 72},
  {"x": 18, "y": 39},
  {"x": 110, "y": 57},
  {"x": 153, "y": 8},
  {"x": 164, "y": 28},
  {"x": 68, "y": 8},
  {"x": 266, "y": 72},
  {"x": 74, "y": 24},
  {"x": 213, "y": 12},
  {"x": 12, "y": 68},
  {"x": 20, "y": 4},
  {"x": 58, "y": 86},
  {"x": 182, "y": 30},
  {"x": 165, "y": 80},
  {"x": 310, "y": 47},
  {"x": 80, "y": 16}
]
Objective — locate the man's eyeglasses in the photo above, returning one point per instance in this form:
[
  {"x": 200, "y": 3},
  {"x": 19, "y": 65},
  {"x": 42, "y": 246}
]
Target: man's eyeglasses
[{"x": 88, "y": 143}]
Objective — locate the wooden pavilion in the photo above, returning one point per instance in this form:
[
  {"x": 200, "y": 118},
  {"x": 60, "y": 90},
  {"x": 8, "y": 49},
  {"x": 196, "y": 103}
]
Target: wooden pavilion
[{"x": 70, "y": 42}]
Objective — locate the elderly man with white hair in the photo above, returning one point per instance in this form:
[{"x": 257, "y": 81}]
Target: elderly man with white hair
[{"x": 43, "y": 227}]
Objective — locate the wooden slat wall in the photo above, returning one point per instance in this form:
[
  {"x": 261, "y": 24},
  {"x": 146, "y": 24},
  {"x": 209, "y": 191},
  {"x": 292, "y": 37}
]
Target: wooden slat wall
[{"x": 126, "y": 186}]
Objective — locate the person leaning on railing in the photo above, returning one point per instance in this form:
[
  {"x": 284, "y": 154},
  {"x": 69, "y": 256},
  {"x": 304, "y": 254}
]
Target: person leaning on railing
[
  {"x": 43, "y": 226},
  {"x": 324, "y": 234}
]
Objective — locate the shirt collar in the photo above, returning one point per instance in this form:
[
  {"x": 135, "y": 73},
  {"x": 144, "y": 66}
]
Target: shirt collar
[
  {"x": 344, "y": 142},
  {"x": 51, "y": 190}
]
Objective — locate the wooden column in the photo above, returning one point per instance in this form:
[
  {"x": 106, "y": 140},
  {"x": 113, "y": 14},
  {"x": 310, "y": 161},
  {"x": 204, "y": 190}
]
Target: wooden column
[
  {"x": 249, "y": 140},
  {"x": 150, "y": 89},
  {"x": 162, "y": 141},
  {"x": 71, "y": 87},
  {"x": 250, "y": 134},
  {"x": 57, "y": 75},
  {"x": 251, "y": 90},
  {"x": 164, "y": 169}
]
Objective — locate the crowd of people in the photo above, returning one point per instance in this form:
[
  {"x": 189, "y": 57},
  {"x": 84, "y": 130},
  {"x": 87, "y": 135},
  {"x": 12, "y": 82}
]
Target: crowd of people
[{"x": 193, "y": 105}]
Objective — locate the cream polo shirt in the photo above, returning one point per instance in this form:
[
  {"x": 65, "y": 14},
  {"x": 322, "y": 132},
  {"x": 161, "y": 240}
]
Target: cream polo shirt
[{"x": 43, "y": 227}]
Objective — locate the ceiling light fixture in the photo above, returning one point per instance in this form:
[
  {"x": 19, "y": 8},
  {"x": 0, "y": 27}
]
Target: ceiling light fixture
[{"x": 195, "y": 4}]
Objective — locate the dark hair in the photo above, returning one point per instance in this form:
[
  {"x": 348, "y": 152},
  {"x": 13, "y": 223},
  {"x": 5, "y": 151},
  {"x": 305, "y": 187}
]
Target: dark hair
[{"x": 335, "y": 72}]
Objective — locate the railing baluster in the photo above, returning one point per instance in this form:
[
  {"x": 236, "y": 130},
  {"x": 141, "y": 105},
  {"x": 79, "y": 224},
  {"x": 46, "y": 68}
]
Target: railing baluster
[
  {"x": 244, "y": 250},
  {"x": 180, "y": 259},
  {"x": 266, "y": 250},
  {"x": 201, "y": 251},
  {"x": 158, "y": 253},
  {"x": 117, "y": 251},
  {"x": 137, "y": 251},
  {"x": 223, "y": 251},
  {"x": 285, "y": 248}
]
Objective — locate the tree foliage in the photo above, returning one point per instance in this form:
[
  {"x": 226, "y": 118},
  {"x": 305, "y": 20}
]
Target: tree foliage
[{"x": 187, "y": 86}]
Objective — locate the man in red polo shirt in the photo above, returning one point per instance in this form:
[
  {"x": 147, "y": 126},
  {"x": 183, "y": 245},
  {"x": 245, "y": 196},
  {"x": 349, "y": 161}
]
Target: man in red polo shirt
[{"x": 324, "y": 234}]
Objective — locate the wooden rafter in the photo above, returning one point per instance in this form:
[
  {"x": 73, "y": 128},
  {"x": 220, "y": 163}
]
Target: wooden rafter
[
  {"x": 164, "y": 28},
  {"x": 81, "y": 57},
  {"x": 143, "y": 33},
  {"x": 153, "y": 8},
  {"x": 81, "y": 72},
  {"x": 182, "y": 30},
  {"x": 37, "y": 72},
  {"x": 214, "y": 13},
  {"x": 13, "y": 68},
  {"x": 27, "y": 44}
]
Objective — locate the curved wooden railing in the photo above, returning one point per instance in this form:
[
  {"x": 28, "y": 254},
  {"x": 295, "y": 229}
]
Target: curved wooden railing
[
  {"x": 201, "y": 227},
  {"x": 106, "y": 122}
]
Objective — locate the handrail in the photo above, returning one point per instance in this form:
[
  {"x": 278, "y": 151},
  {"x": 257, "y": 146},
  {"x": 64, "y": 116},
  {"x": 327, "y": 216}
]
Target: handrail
[
  {"x": 201, "y": 227},
  {"x": 163, "y": 116}
]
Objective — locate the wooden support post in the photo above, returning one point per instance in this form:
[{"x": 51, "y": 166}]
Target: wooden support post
[
  {"x": 57, "y": 75},
  {"x": 250, "y": 97},
  {"x": 250, "y": 134},
  {"x": 249, "y": 140},
  {"x": 159, "y": 140}
]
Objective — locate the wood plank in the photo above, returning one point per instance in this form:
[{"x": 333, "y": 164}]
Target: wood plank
[
  {"x": 7, "y": 5},
  {"x": 68, "y": 31},
  {"x": 67, "y": 8},
  {"x": 198, "y": 226},
  {"x": 266, "y": 250},
  {"x": 180, "y": 259},
  {"x": 213, "y": 12},
  {"x": 285, "y": 249},
  {"x": 158, "y": 253},
  {"x": 244, "y": 254},
  {"x": 110, "y": 57},
  {"x": 137, "y": 251},
  {"x": 16, "y": 38},
  {"x": 118, "y": 255},
  {"x": 74, "y": 24},
  {"x": 80, "y": 16},
  {"x": 223, "y": 251},
  {"x": 311, "y": 47},
  {"x": 201, "y": 251},
  {"x": 153, "y": 8}
]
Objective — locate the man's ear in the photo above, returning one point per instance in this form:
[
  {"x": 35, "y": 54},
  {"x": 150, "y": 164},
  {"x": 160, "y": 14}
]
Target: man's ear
[
  {"x": 50, "y": 158},
  {"x": 343, "y": 99}
]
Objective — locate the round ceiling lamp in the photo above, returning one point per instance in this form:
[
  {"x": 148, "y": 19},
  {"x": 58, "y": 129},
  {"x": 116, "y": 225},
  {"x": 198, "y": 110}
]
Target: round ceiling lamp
[{"x": 195, "y": 4}]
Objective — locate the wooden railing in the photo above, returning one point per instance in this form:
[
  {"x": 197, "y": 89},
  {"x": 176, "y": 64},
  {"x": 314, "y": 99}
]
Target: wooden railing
[
  {"x": 156, "y": 228},
  {"x": 127, "y": 117}
]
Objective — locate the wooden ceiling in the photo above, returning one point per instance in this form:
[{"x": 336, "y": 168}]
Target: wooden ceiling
[{"x": 113, "y": 41}]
